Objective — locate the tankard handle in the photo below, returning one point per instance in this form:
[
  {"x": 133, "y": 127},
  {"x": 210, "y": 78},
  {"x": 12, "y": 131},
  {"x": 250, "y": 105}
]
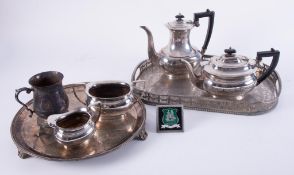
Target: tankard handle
[
  {"x": 210, "y": 15},
  {"x": 17, "y": 92},
  {"x": 272, "y": 53}
]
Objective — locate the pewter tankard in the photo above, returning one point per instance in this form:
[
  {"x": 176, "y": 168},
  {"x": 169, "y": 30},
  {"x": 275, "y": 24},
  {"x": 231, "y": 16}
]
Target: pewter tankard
[{"x": 49, "y": 96}]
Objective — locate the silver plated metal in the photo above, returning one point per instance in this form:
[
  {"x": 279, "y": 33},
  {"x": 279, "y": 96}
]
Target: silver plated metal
[
  {"x": 232, "y": 75},
  {"x": 155, "y": 87},
  {"x": 111, "y": 94},
  {"x": 114, "y": 129},
  {"x": 179, "y": 46},
  {"x": 48, "y": 94},
  {"x": 75, "y": 126}
]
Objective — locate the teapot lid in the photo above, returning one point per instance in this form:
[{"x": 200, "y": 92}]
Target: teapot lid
[
  {"x": 180, "y": 24},
  {"x": 230, "y": 65}
]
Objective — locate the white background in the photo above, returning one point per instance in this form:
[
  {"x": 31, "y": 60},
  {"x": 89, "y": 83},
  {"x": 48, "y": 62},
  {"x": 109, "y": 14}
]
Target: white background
[{"x": 101, "y": 40}]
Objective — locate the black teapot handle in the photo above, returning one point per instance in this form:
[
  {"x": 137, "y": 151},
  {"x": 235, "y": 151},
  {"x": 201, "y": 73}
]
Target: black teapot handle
[
  {"x": 272, "y": 53},
  {"x": 17, "y": 92},
  {"x": 210, "y": 15}
]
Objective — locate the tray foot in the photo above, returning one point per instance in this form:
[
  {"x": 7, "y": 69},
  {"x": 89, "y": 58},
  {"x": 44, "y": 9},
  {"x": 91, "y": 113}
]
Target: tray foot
[
  {"x": 23, "y": 155},
  {"x": 142, "y": 135}
]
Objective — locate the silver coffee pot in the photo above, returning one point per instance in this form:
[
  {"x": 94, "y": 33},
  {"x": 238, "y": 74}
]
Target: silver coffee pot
[
  {"x": 230, "y": 74},
  {"x": 179, "y": 46}
]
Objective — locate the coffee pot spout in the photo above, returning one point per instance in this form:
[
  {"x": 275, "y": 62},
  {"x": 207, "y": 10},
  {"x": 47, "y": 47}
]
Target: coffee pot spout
[{"x": 153, "y": 56}]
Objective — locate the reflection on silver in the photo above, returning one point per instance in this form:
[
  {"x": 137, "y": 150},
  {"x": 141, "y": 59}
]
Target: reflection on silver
[
  {"x": 75, "y": 126},
  {"x": 160, "y": 89},
  {"x": 72, "y": 127},
  {"x": 108, "y": 136},
  {"x": 110, "y": 94},
  {"x": 228, "y": 75},
  {"x": 179, "y": 47}
]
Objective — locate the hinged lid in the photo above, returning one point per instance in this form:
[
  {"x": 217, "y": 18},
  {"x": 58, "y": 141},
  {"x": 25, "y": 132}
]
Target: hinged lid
[
  {"x": 230, "y": 65},
  {"x": 180, "y": 24}
]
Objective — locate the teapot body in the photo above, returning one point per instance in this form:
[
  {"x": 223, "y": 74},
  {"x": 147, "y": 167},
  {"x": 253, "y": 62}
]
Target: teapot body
[{"x": 230, "y": 87}]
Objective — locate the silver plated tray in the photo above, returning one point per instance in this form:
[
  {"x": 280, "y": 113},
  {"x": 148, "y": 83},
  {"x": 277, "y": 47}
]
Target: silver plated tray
[
  {"x": 155, "y": 87},
  {"x": 113, "y": 129}
]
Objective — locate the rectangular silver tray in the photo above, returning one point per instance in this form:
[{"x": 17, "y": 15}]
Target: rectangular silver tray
[{"x": 154, "y": 87}]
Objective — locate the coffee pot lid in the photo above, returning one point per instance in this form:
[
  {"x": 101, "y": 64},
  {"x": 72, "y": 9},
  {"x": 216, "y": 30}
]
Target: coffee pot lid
[
  {"x": 180, "y": 24},
  {"x": 230, "y": 65}
]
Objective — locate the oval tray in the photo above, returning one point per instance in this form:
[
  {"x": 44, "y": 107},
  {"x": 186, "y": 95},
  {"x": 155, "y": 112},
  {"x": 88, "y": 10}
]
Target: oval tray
[
  {"x": 154, "y": 87},
  {"x": 113, "y": 130}
]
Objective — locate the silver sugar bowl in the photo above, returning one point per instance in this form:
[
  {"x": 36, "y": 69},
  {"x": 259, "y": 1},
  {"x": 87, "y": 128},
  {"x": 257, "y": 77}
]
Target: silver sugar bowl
[{"x": 112, "y": 95}]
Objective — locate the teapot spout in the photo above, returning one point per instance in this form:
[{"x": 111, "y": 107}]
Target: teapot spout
[
  {"x": 193, "y": 77},
  {"x": 153, "y": 56}
]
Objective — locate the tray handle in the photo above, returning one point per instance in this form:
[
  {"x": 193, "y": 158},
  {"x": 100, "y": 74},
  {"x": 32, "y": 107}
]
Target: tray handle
[{"x": 17, "y": 92}]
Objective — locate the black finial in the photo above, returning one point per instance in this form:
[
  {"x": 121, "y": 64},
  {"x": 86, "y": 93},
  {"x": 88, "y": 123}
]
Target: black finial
[
  {"x": 179, "y": 17},
  {"x": 230, "y": 51}
]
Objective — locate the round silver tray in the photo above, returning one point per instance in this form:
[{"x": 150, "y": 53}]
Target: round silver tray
[
  {"x": 114, "y": 129},
  {"x": 154, "y": 87}
]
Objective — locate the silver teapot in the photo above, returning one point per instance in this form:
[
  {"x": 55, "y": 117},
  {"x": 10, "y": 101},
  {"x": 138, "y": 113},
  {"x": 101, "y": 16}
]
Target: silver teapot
[
  {"x": 232, "y": 75},
  {"x": 179, "y": 46}
]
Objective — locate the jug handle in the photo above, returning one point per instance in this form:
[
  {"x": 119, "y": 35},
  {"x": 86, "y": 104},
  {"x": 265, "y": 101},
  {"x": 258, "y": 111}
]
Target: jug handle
[
  {"x": 272, "y": 53},
  {"x": 210, "y": 15},
  {"x": 94, "y": 116},
  {"x": 17, "y": 92}
]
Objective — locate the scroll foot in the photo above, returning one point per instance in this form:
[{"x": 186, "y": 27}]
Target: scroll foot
[
  {"x": 142, "y": 135},
  {"x": 23, "y": 155}
]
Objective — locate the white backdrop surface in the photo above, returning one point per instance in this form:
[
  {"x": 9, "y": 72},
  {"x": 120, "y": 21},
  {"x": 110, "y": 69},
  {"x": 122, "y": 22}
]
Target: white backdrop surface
[{"x": 90, "y": 40}]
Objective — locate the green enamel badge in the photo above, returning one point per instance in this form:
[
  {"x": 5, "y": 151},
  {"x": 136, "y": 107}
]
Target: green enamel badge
[{"x": 169, "y": 118}]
